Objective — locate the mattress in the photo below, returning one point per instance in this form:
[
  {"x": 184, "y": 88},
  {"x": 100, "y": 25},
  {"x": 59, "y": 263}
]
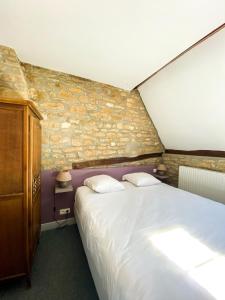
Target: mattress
[{"x": 155, "y": 242}]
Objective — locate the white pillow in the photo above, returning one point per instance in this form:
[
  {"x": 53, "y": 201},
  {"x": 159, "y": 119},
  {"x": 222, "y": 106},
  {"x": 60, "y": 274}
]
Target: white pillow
[
  {"x": 103, "y": 184},
  {"x": 141, "y": 179}
]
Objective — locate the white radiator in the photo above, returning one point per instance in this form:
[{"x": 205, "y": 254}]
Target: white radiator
[{"x": 205, "y": 183}]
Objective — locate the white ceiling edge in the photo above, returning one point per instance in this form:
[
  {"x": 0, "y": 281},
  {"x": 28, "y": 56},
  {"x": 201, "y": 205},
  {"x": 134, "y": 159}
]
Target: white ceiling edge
[
  {"x": 186, "y": 100},
  {"x": 115, "y": 42}
]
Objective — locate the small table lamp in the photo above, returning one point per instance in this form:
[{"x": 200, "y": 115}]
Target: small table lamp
[
  {"x": 63, "y": 178},
  {"x": 161, "y": 169}
]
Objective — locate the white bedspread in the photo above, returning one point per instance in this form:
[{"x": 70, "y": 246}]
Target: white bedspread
[{"x": 155, "y": 243}]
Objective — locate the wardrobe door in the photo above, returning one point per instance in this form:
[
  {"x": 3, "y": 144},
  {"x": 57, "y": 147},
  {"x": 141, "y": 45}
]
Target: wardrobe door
[
  {"x": 12, "y": 205},
  {"x": 12, "y": 239},
  {"x": 35, "y": 167},
  {"x": 11, "y": 149}
]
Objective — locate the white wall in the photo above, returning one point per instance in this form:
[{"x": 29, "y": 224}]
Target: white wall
[
  {"x": 111, "y": 41},
  {"x": 186, "y": 100}
]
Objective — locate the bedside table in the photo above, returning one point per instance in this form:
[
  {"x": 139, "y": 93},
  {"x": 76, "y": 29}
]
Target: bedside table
[
  {"x": 163, "y": 178},
  {"x": 57, "y": 191},
  {"x": 67, "y": 189}
]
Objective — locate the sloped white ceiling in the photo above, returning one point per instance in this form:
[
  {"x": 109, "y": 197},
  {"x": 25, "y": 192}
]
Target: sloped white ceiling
[
  {"x": 115, "y": 42},
  {"x": 186, "y": 100}
]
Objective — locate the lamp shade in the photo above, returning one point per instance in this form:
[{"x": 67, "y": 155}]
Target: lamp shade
[{"x": 161, "y": 167}]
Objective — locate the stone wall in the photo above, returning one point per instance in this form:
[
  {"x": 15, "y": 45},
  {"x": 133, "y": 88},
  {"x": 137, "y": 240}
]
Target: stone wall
[
  {"x": 173, "y": 161},
  {"x": 87, "y": 120},
  {"x": 12, "y": 81}
]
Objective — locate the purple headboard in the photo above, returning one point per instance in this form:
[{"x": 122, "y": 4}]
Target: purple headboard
[{"x": 78, "y": 175}]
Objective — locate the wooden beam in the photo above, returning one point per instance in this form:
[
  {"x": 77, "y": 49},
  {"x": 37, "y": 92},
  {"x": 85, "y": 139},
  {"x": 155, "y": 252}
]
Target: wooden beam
[
  {"x": 211, "y": 153},
  {"x": 113, "y": 160},
  {"x": 182, "y": 53}
]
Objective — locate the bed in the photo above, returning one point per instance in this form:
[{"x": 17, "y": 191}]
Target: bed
[{"x": 156, "y": 242}]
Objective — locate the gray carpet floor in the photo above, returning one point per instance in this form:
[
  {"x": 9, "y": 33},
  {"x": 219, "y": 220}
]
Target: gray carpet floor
[{"x": 60, "y": 270}]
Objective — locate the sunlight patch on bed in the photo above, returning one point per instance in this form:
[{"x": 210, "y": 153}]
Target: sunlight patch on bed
[{"x": 205, "y": 266}]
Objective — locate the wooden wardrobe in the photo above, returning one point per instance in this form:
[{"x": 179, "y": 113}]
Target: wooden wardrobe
[{"x": 20, "y": 186}]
